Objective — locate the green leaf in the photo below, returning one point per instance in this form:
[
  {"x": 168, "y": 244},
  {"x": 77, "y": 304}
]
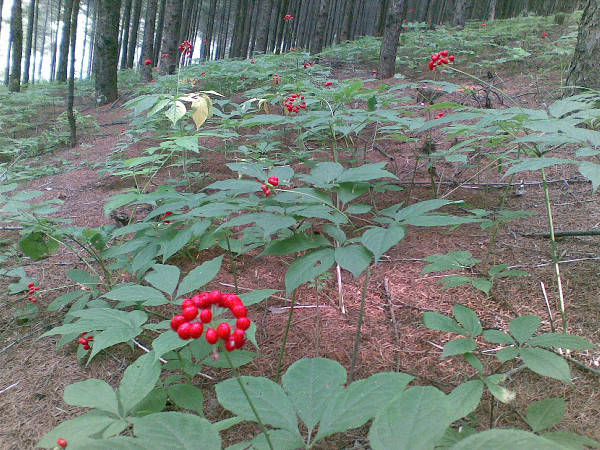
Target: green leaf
[
  {"x": 164, "y": 277},
  {"x": 545, "y": 413},
  {"x": 592, "y": 172},
  {"x": 307, "y": 268},
  {"x": 138, "y": 381},
  {"x": 36, "y": 245},
  {"x": 498, "y": 337},
  {"x": 336, "y": 232},
  {"x": 187, "y": 396},
  {"x": 199, "y": 276},
  {"x": 269, "y": 399},
  {"x": 353, "y": 258},
  {"x": 176, "y": 430},
  {"x": 451, "y": 261},
  {"x": 78, "y": 429},
  {"x": 522, "y": 328},
  {"x": 437, "y": 321},
  {"x": 154, "y": 402},
  {"x": 65, "y": 299},
  {"x": 82, "y": 277},
  {"x": 415, "y": 419},
  {"x": 500, "y": 392},
  {"x": 464, "y": 399},
  {"x": 175, "y": 112},
  {"x": 297, "y": 243},
  {"x": 379, "y": 240},
  {"x": 536, "y": 164},
  {"x": 174, "y": 241},
  {"x": 546, "y": 363},
  {"x": 365, "y": 172},
  {"x": 360, "y": 402},
  {"x": 458, "y": 347},
  {"x": 468, "y": 319},
  {"x": 482, "y": 284},
  {"x": 311, "y": 383},
  {"x": 560, "y": 340},
  {"x": 358, "y": 208},
  {"x": 281, "y": 440},
  {"x": 571, "y": 441},
  {"x": 257, "y": 296},
  {"x": 507, "y": 353},
  {"x": 505, "y": 440},
  {"x": 92, "y": 393},
  {"x": 238, "y": 358},
  {"x": 112, "y": 336},
  {"x": 135, "y": 293},
  {"x": 167, "y": 341}
]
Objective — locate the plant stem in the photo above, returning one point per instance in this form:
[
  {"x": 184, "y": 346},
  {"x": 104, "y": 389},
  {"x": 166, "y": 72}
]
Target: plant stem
[
  {"x": 233, "y": 265},
  {"x": 239, "y": 380},
  {"x": 555, "y": 253},
  {"x": 360, "y": 321},
  {"x": 285, "y": 336}
]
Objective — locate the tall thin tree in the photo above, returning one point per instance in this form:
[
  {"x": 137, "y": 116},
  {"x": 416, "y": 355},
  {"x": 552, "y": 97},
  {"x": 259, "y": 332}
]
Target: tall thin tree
[
  {"x": 133, "y": 32},
  {"x": 106, "y": 50},
  {"x": 125, "y": 22},
  {"x": 170, "y": 39},
  {"x": 29, "y": 41},
  {"x": 71, "y": 97},
  {"x": 389, "y": 45},
  {"x": 316, "y": 46},
  {"x": 63, "y": 54},
  {"x": 16, "y": 27},
  {"x": 583, "y": 71},
  {"x": 148, "y": 44},
  {"x": 159, "y": 29}
]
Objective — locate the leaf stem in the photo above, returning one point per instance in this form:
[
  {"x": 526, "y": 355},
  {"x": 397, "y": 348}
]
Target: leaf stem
[
  {"x": 285, "y": 336},
  {"x": 360, "y": 321}
]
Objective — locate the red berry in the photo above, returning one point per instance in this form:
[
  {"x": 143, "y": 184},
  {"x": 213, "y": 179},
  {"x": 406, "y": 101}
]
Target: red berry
[
  {"x": 148, "y": 62},
  {"x": 328, "y": 83},
  {"x": 184, "y": 330},
  {"x": 211, "y": 336},
  {"x": 451, "y": 58},
  {"x": 264, "y": 187},
  {"x": 83, "y": 341},
  {"x": 431, "y": 65},
  {"x": 34, "y": 300},
  {"x": 31, "y": 284},
  {"x": 201, "y": 300},
  {"x": 435, "y": 57},
  {"x": 188, "y": 302},
  {"x": 196, "y": 330},
  {"x": 444, "y": 53},
  {"x": 444, "y": 60},
  {"x": 230, "y": 300},
  {"x": 61, "y": 442},
  {"x": 177, "y": 321},
  {"x": 90, "y": 338},
  {"x": 273, "y": 181},
  {"x": 190, "y": 313},
  {"x": 206, "y": 315},
  {"x": 223, "y": 330},
  {"x": 239, "y": 311},
  {"x": 243, "y": 323},
  {"x": 86, "y": 347},
  {"x": 238, "y": 336},
  {"x": 230, "y": 345},
  {"x": 215, "y": 297}
]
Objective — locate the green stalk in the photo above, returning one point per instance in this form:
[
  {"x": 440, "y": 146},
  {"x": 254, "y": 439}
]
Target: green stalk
[
  {"x": 360, "y": 321},
  {"x": 239, "y": 380},
  {"x": 555, "y": 253},
  {"x": 285, "y": 336},
  {"x": 233, "y": 265}
]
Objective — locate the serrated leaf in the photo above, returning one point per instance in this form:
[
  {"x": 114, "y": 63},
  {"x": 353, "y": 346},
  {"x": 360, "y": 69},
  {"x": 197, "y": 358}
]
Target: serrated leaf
[
  {"x": 560, "y": 340},
  {"x": 167, "y": 341},
  {"x": 546, "y": 363},
  {"x": 507, "y": 353},
  {"x": 500, "y": 392},
  {"x": 353, "y": 258},
  {"x": 136, "y": 293},
  {"x": 458, "y": 347},
  {"x": 440, "y": 322},
  {"x": 297, "y": 243},
  {"x": 592, "y": 172},
  {"x": 365, "y": 172},
  {"x": 498, "y": 337},
  {"x": 138, "y": 381},
  {"x": 78, "y": 429},
  {"x": 450, "y": 261},
  {"x": 464, "y": 399},
  {"x": 92, "y": 393},
  {"x": 199, "y": 276},
  {"x": 522, "y": 328},
  {"x": 187, "y": 396},
  {"x": 536, "y": 164},
  {"x": 468, "y": 319},
  {"x": 545, "y": 413},
  {"x": 571, "y": 441},
  {"x": 164, "y": 277},
  {"x": 175, "y": 112},
  {"x": 307, "y": 268},
  {"x": 379, "y": 240},
  {"x": 505, "y": 440}
]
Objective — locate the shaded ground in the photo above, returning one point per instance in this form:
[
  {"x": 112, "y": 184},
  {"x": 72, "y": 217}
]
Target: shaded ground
[{"x": 33, "y": 374}]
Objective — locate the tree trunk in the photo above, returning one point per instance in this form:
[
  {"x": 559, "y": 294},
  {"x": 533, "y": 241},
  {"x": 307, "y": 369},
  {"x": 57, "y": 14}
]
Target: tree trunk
[
  {"x": 71, "y": 98},
  {"x": 459, "y": 13},
  {"x": 148, "y": 44},
  {"x": 34, "y": 49},
  {"x": 381, "y": 16},
  {"x": 93, "y": 39},
  {"x": 280, "y": 25},
  {"x": 583, "y": 72},
  {"x": 125, "y": 23},
  {"x": 54, "y": 45},
  {"x": 29, "y": 41},
  {"x": 159, "y": 30},
  {"x": 170, "y": 39},
  {"x": 226, "y": 29},
  {"x": 85, "y": 35},
  {"x": 245, "y": 39},
  {"x": 253, "y": 23},
  {"x": 316, "y": 46},
  {"x": 106, "y": 50},
  {"x": 133, "y": 32},
  {"x": 389, "y": 45},
  {"x": 63, "y": 54},
  {"x": 16, "y": 26},
  {"x": 209, "y": 30},
  {"x": 347, "y": 22},
  {"x": 491, "y": 12},
  {"x": 238, "y": 28},
  {"x": 262, "y": 28}
]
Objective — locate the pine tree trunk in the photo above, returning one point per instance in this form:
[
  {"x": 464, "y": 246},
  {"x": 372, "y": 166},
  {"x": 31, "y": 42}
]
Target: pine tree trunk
[
  {"x": 29, "y": 41},
  {"x": 583, "y": 71},
  {"x": 133, "y": 32},
  {"x": 347, "y": 22},
  {"x": 491, "y": 12},
  {"x": 186, "y": 15},
  {"x": 226, "y": 29},
  {"x": 170, "y": 41},
  {"x": 125, "y": 24},
  {"x": 381, "y": 17},
  {"x": 262, "y": 32},
  {"x": 16, "y": 26},
  {"x": 1, "y": 6},
  {"x": 281, "y": 25},
  {"x": 274, "y": 21},
  {"x": 316, "y": 46},
  {"x": 71, "y": 97},
  {"x": 93, "y": 39},
  {"x": 459, "y": 12},
  {"x": 85, "y": 35},
  {"x": 245, "y": 38},
  {"x": 159, "y": 30},
  {"x": 209, "y": 30},
  {"x": 238, "y": 28},
  {"x": 54, "y": 46},
  {"x": 147, "y": 45},
  {"x": 219, "y": 29},
  {"x": 34, "y": 49},
  {"x": 63, "y": 54},
  {"x": 389, "y": 45},
  {"x": 106, "y": 50},
  {"x": 255, "y": 9}
]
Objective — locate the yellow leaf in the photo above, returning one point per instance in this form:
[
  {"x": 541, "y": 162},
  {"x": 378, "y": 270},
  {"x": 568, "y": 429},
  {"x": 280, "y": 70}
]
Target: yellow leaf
[{"x": 200, "y": 114}]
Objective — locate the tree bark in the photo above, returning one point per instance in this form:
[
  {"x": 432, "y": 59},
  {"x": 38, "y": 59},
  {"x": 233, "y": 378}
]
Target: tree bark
[
  {"x": 389, "y": 45},
  {"x": 316, "y": 46},
  {"x": 262, "y": 28},
  {"x": 381, "y": 16},
  {"x": 459, "y": 12},
  {"x": 85, "y": 35},
  {"x": 29, "y": 41},
  {"x": 583, "y": 71},
  {"x": 347, "y": 22},
  {"x": 159, "y": 30},
  {"x": 209, "y": 30},
  {"x": 54, "y": 45},
  {"x": 491, "y": 12},
  {"x": 16, "y": 26},
  {"x": 148, "y": 44},
  {"x": 170, "y": 41},
  {"x": 71, "y": 97},
  {"x": 93, "y": 39},
  {"x": 106, "y": 50},
  {"x": 36, "y": 30},
  {"x": 133, "y": 32},
  {"x": 63, "y": 53},
  {"x": 125, "y": 23}
]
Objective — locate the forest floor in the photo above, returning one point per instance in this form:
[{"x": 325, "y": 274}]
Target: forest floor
[{"x": 33, "y": 373}]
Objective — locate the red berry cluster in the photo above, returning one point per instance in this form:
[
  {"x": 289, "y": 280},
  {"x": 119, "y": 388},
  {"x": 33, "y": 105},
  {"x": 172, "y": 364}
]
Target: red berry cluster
[
  {"x": 294, "y": 103},
  {"x": 165, "y": 215},
  {"x": 544, "y": 35},
  {"x": 148, "y": 62},
  {"x": 164, "y": 55},
  {"x": 276, "y": 78},
  {"x": 328, "y": 83},
  {"x": 32, "y": 289},
  {"x": 62, "y": 442},
  {"x": 200, "y": 304},
  {"x": 439, "y": 115},
  {"x": 85, "y": 341},
  {"x": 271, "y": 182},
  {"x": 308, "y": 64},
  {"x": 186, "y": 47},
  {"x": 252, "y": 61},
  {"x": 288, "y": 17},
  {"x": 437, "y": 59}
]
